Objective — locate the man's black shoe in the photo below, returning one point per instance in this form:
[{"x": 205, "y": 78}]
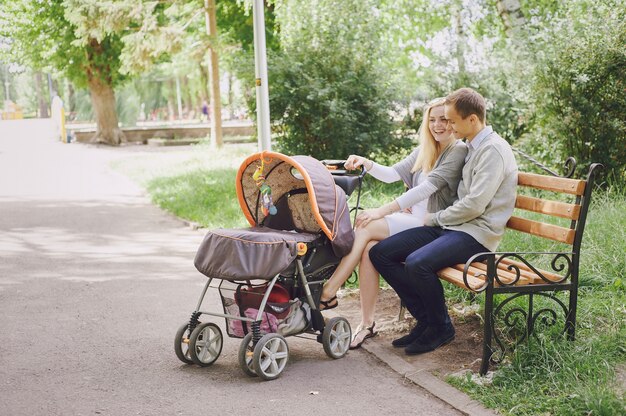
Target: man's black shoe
[
  {"x": 431, "y": 339},
  {"x": 415, "y": 333}
]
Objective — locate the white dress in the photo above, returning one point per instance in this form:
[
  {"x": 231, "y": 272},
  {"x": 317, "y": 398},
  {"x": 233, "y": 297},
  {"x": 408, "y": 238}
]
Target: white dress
[{"x": 400, "y": 221}]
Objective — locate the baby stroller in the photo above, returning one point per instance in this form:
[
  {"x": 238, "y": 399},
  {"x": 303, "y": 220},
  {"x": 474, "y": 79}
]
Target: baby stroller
[{"x": 270, "y": 276}]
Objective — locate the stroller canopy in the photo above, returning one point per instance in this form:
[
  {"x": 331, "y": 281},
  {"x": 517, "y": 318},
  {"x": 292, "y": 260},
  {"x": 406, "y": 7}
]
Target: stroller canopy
[{"x": 294, "y": 193}]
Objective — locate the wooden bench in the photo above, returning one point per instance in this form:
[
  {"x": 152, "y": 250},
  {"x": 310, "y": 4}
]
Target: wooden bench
[{"x": 513, "y": 274}]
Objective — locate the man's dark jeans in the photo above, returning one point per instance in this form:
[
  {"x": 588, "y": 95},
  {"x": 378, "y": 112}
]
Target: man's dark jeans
[{"x": 424, "y": 251}]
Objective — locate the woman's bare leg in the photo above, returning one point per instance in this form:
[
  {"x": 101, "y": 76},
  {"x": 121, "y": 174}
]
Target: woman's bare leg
[
  {"x": 375, "y": 230},
  {"x": 368, "y": 285}
]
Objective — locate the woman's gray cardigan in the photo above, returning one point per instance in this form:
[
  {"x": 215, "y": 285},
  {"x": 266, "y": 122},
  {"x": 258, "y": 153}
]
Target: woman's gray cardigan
[{"x": 445, "y": 175}]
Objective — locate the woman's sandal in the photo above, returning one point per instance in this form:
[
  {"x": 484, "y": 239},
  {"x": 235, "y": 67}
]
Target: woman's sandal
[
  {"x": 327, "y": 304},
  {"x": 370, "y": 333}
]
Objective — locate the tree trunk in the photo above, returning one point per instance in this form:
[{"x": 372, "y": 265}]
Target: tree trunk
[
  {"x": 41, "y": 100},
  {"x": 461, "y": 40},
  {"x": 510, "y": 12},
  {"x": 103, "y": 101},
  {"x": 214, "y": 76}
]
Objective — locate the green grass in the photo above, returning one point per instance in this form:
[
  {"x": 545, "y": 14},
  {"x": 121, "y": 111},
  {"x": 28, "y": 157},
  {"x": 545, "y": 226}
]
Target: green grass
[
  {"x": 202, "y": 196},
  {"x": 196, "y": 184},
  {"x": 547, "y": 376}
]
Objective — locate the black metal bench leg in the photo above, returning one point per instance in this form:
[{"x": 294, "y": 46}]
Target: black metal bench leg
[
  {"x": 402, "y": 311},
  {"x": 530, "y": 323},
  {"x": 488, "y": 331},
  {"x": 570, "y": 322}
]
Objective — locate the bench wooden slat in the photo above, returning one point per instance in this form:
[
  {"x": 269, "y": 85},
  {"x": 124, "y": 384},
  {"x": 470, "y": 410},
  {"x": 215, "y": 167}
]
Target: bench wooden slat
[
  {"x": 540, "y": 229},
  {"x": 455, "y": 277},
  {"x": 526, "y": 271},
  {"x": 551, "y": 183},
  {"x": 529, "y": 276},
  {"x": 542, "y": 206},
  {"x": 454, "y": 274},
  {"x": 505, "y": 275}
]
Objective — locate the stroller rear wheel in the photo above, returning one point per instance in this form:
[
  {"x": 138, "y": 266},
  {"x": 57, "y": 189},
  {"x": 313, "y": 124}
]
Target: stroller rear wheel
[
  {"x": 205, "y": 344},
  {"x": 336, "y": 337},
  {"x": 181, "y": 344},
  {"x": 271, "y": 355},
  {"x": 246, "y": 354}
]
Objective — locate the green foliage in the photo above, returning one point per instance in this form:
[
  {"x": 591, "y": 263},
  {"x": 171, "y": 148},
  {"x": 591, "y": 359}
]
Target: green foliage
[
  {"x": 579, "y": 86},
  {"x": 329, "y": 96},
  {"x": 234, "y": 20},
  {"x": 197, "y": 184},
  {"x": 328, "y": 106}
]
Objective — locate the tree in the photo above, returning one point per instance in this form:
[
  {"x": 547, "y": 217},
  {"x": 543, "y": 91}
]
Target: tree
[
  {"x": 43, "y": 37},
  {"x": 84, "y": 40}
]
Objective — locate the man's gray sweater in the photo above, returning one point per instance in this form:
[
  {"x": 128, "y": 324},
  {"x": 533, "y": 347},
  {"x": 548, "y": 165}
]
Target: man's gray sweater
[{"x": 487, "y": 193}]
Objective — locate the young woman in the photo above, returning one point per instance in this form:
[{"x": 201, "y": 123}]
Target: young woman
[{"x": 432, "y": 172}]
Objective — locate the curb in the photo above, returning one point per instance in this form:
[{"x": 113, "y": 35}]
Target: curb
[{"x": 423, "y": 378}]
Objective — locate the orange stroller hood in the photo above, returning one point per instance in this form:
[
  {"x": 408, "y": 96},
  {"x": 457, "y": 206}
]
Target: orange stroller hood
[{"x": 314, "y": 203}]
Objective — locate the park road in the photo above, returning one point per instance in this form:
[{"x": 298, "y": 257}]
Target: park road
[{"x": 94, "y": 282}]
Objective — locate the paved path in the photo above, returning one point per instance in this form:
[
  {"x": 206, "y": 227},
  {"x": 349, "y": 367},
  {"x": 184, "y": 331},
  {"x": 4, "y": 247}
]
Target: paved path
[{"x": 94, "y": 282}]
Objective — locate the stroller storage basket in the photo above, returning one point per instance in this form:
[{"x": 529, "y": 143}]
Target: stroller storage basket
[{"x": 281, "y": 314}]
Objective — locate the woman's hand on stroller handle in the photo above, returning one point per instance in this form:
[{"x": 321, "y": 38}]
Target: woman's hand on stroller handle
[{"x": 355, "y": 161}]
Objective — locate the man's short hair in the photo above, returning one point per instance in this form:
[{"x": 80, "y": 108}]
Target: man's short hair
[{"x": 466, "y": 102}]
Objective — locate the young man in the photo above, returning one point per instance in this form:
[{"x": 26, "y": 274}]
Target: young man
[{"x": 475, "y": 223}]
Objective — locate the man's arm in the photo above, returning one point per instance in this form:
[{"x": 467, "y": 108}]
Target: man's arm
[{"x": 486, "y": 179}]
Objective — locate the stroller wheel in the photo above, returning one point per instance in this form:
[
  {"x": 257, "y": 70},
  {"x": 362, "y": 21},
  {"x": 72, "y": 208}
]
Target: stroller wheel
[
  {"x": 205, "y": 344},
  {"x": 246, "y": 353},
  {"x": 336, "y": 337},
  {"x": 271, "y": 355},
  {"x": 181, "y": 344}
]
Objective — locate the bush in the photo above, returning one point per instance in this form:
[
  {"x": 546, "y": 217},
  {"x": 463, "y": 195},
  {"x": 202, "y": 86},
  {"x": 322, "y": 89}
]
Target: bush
[
  {"x": 327, "y": 105},
  {"x": 329, "y": 92},
  {"x": 579, "y": 87}
]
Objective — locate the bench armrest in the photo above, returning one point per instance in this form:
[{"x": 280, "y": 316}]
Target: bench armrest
[{"x": 515, "y": 263}]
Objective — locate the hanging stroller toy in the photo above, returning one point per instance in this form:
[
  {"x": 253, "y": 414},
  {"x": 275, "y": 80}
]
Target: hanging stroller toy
[{"x": 270, "y": 276}]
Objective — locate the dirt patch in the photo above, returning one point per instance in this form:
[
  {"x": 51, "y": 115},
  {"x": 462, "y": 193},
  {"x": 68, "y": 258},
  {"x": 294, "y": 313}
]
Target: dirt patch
[
  {"x": 621, "y": 378},
  {"x": 463, "y": 353}
]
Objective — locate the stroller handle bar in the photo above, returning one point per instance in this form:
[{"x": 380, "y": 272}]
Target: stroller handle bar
[{"x": 348, "y": 181}]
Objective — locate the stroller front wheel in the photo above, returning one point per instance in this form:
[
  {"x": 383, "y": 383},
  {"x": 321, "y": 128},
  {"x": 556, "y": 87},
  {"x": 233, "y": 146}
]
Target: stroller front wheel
[
  {"x": 246, "y": 354},
  {"x": 271, "y": 355},
  {"x": 181, "y": 344},
  {"x": 205, "y": 344},
  {"x": 336, "y": 337}
]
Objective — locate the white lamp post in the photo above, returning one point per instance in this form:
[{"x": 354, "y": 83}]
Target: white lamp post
[{"x": 260, "y": 66}]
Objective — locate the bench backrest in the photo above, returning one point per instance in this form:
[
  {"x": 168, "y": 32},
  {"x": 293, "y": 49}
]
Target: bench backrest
[{"x": 576, "y": 211}]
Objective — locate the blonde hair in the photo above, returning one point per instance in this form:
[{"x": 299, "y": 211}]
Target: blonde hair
[{"x": 430, "y": 148}]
